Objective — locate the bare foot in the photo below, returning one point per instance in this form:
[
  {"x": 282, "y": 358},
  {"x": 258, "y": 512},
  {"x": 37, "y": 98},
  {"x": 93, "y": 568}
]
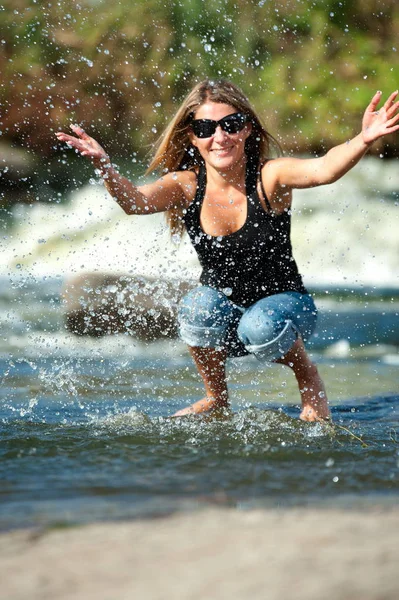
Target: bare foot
[{"x": 202, "y": 406}]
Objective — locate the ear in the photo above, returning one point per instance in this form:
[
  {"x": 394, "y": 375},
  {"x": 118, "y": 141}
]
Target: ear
[
  {"x": 192, "y": 138},
  {"x": 247, "y": 130}
]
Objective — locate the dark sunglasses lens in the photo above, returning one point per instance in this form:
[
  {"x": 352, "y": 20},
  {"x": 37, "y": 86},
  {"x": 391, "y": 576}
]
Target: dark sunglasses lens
[
  {"x": 233, "y": 123},
  {"x": 203, "y": 129}
]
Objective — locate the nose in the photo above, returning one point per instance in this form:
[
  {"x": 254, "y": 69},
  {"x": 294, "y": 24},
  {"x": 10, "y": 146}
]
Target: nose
[{"x": 219, "y": 134}]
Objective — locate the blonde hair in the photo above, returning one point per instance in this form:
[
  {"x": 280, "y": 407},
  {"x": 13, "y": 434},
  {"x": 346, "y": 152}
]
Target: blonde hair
[{"x": 174, "y": 151}]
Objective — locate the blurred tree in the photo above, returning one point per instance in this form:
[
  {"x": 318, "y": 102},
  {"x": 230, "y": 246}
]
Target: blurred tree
[{"x": 309, "y": 66}]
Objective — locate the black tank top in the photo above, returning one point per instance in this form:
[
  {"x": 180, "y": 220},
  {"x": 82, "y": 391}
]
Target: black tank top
[{"x": 254, "y": 262}]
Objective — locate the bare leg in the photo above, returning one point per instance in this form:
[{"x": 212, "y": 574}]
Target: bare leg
[
  {"x": 311, "y": 387},
  {"x": 211, "y": 365}
]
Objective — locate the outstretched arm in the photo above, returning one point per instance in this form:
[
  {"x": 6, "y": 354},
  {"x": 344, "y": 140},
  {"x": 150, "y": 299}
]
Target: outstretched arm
[
  {"x": 162, "y": 195},
  {"x": 304, "y": 173}
]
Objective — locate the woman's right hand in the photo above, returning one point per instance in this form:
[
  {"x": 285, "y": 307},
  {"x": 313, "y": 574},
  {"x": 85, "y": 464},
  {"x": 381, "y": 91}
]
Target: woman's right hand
[
  {"x": 173, "y": 190},
  {"x": 85, "y": 145}
]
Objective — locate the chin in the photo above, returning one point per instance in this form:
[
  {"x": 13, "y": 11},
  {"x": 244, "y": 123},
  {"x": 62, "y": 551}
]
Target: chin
[{"x": 230, "y": 160}]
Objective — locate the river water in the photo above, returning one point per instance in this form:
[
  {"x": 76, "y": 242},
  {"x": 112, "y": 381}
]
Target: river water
[{"x": 85, "y": 423}]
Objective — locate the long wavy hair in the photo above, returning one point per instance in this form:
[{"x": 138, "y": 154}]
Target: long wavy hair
[{"x": 174, "y": 151}]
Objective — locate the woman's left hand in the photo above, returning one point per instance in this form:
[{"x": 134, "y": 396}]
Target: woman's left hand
[{"x": 380, "y": 122}]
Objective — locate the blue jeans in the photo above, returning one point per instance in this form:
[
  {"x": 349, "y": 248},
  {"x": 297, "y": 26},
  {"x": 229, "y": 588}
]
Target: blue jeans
[{"x": 267, "y": 329}]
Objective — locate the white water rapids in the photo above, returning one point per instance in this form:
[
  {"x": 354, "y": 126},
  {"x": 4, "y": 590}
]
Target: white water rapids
[{"x": 342, "y": 234}]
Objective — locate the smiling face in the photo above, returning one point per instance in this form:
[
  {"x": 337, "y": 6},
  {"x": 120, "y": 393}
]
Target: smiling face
[{"x": 223, "y": 151}]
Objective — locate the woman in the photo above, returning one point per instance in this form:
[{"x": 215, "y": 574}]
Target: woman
[{"x": 234, "y": 201}]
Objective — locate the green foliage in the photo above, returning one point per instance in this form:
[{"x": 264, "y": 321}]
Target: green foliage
[{"x": 120, "y": 68}]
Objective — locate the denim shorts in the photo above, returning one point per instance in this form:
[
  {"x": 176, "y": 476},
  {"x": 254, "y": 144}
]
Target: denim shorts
[{"x": 267, "y": 329}]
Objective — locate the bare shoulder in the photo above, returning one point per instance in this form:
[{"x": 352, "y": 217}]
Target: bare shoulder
[
  {"x": 173, "y": 190},
  {"x": 183, "y": 182},
  {"x": 187, "y": 180},
  {"x": 278, "y": 194}
]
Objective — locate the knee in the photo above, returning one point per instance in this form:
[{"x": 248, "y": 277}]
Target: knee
[
  {"x": 258, "y": 327},
  {"x": 266, "y": 334},
  {"x": 203, "y": 307},
  {"x": 204, "y": 318}
]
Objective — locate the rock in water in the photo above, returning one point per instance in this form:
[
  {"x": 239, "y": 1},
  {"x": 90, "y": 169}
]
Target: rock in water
[{"x": 98, "y": 305}]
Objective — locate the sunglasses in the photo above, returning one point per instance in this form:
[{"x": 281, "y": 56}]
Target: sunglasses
[{"x": 205, "y": 128}]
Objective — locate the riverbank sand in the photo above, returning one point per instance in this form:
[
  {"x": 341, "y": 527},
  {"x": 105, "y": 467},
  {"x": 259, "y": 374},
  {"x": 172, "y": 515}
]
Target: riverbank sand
[{"x": 273, "y": 554}]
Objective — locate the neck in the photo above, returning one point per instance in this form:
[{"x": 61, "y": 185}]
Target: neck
[{"x": 234, "y": 177}]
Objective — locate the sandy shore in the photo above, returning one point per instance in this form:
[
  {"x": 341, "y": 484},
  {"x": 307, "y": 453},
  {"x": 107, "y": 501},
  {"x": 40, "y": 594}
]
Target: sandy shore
[{"x": 215, "y": 554}]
